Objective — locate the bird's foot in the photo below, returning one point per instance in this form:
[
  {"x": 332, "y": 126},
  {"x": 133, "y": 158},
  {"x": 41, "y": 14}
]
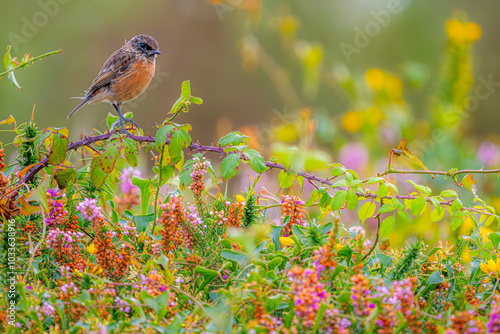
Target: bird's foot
[
  {"x": 131, "y": 121},
  {"x": 123, "y": 130}
]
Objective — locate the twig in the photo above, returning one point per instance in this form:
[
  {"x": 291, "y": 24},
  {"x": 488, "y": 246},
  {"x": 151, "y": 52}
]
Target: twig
[
  {"x": 449, "y": 173},
  {"x": 494, "y": 290},
  {"x": 375, "y": 242},
  {"x": 29, "y": 62}
]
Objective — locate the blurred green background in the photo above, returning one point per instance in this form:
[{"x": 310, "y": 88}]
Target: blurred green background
[
  {"x": 201, "y": 42},
  {"x": 344, "y": 81}
]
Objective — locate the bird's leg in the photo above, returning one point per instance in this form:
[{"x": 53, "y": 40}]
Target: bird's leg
[{"x": 121, "y": 120}]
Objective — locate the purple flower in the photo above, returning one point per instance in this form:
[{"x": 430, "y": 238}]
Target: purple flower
[
  {"x": 89, "y": 209},
  {"x": 354, "y": 156},
  {"x": 126, "y": 178},
  {"x": 493, "y": 324},
  {"x": 488, "y": 153}
]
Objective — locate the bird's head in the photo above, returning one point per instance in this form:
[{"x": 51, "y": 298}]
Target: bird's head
[{"x": 146, "y": 45}]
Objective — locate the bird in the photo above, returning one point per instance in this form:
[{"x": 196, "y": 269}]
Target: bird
[{"x": 124, "y": 76}]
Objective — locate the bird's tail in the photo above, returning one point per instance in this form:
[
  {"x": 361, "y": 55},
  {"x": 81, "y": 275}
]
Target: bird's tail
[{"x": 81, "y": 104}]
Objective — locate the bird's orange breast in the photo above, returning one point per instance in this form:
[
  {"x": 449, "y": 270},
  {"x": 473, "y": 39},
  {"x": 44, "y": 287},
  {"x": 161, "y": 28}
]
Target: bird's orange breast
[{"x": 131, "y": 85}]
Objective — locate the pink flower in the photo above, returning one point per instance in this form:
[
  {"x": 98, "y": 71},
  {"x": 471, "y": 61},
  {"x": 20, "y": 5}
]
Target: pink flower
[
  {"x": 89, "y": 209},
  {"x": 488, "y": 154},
  {"x": 126, "y": 178},
  {"x": 354, "y": 156}
]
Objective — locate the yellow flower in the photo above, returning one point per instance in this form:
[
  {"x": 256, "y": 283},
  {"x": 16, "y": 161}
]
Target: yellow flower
[
  {"x": 287, "y": 241},
  {"x": 352, "y": 121},
  {"x": 393, "y": 85},
  {"x": 240, "y": 198},
  {"x": 462, "y": 32},
  {"x": 338, "y": 247},
  {"x": 286, "y": 133},
  {"x": 484, "y": 233},
  {"x": 466, "y": 258},
  {"x": 491, "y": 267},
  {"x": 97, "y": 270},
  {"x": 375, "y": 78},
  {"x": 288, "y": 26},
  {"x": 92, "y": 249}
]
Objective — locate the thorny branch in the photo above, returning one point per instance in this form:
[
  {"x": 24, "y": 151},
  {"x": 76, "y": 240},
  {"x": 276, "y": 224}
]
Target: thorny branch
[{"x": 274, "y": 165}]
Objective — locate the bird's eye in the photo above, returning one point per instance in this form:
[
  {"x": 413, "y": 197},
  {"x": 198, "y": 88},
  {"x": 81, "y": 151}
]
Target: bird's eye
[{"x": 142, "y": 45}]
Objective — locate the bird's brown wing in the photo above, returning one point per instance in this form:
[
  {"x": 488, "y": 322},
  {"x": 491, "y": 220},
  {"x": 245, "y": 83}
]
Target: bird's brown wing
[{"x": 116, "y": 66}]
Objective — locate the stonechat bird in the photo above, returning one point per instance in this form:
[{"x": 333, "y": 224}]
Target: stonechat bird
[{"x": 124, "y": 76}]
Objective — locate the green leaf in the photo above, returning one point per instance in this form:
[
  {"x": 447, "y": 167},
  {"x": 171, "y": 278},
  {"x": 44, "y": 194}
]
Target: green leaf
[
  {"x": 339, "y": 170},
  {"x": 185, "y": 177},
  {"x": 195, "y": 100},
  {"x": 144, "y": 186},
  {"x": 109, "y": 156},
  {"x": 274, "y": 263},
  {"x": 230, "y": 165},
  {"x": 174, "y": 327},
  {"x": 238, "y": 257},
  {"x": 346, "y": 252},
  {"x": 495, "y": 239},
  {"x": 179, "y": 140},
  {"x": 233, "y": 138},
  {"x": 111, "y": 120},
  {"x": 434, "y": 280},
  {"x": 448, "y": 193},
  {"x": 8, "y": 64},
  {"x": 456, "y": 223},
  {"x": 256, "y": 161},
  {"x": 403, "y": 217},
  {"x": 375, "y": 179},
  {"x": 423, "y": 189},
  {"x": 387, "y": 226},
  {"x": 57, "y": 153},
  {"x": 65, "y": 175},
  {"x": 456, "y": 205},
  {"x": 387, "y": 207},
  {"x": 97, "y": 175},
  {"x": 183, "y": 99},
  {"x": 366, "y": 211},
  {"x": 162, "y": 135},
  {"x": 158, "y": 303},
  {"x": 383, "y": 190},
  {"x": 208, "y": 276},
  {"x": 131, "y": 148},
  {"x": 275, "y": 233},
  {"x": 286, "y": 179},
  {"x": 319, "y": 317},
  {"x": 272, "y": 302},
  {"x": 142, "y": 222},
  {"x": 325, "y": 200},
  {"x": 384, "y": 260},
  {"x": 418, "y": 206},
  {"x": 437, "y": 215},
  {"x": 166, "y": 173},
  {"x": 352, "y": 200},
  {"x": 338, "y": 200},
  {"x": 40, "y": 194}
]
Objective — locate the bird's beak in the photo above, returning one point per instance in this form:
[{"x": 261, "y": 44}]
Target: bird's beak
[{"x": 156, "y": 52}]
